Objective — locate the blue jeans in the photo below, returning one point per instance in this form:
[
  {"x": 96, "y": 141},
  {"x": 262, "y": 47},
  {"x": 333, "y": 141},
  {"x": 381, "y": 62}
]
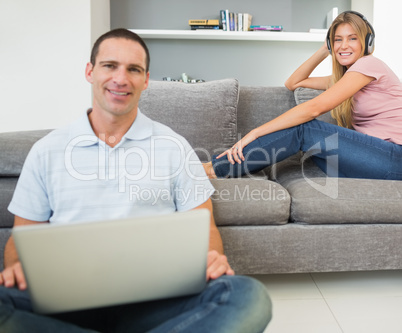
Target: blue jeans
[
  {"x": 338, "y": 151},
  {"x": 228, "y": 304}
]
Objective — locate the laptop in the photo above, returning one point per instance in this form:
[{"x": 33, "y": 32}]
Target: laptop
[{"x": 89, "y": 265}]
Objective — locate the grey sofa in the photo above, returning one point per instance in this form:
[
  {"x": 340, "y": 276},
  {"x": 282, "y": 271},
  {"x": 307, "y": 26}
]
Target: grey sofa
[{"x": 288, "y": 218}]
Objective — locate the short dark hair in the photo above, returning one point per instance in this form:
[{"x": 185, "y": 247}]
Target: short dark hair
[{"x": 120, "y": 33}]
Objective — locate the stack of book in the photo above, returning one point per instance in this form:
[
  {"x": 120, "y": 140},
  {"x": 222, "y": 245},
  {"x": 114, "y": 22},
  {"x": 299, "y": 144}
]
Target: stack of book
[
  {"x": 229, "y": 21},
  {"x": 203, "y": 24},
  {"x": 266, "y": 28},
  {"x": 235, "y": 21}
]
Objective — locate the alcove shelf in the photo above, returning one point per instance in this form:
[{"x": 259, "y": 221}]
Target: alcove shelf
[{"x": 231, "y": 35}]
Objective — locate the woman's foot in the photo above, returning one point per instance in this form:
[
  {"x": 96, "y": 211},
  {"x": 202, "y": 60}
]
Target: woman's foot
[{"x": 209, "y": 169}]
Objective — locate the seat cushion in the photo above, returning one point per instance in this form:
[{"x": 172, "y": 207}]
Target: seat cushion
[
  {"x": 246, "y": 201},
  {"x": 318, "y": 199},
  {"x": 204, "y": 113}
]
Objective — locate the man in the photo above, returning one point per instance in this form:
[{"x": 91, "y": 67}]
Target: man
[{"x": 64, "y": 179}]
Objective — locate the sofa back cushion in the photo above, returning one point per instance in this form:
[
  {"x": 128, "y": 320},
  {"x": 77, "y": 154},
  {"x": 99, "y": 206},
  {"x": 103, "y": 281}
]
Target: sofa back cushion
[
  {"x": 258, "y": 105},
  {"x": 305, "y": 94},
  {"x": 14, "y": 148},
  {"x": 204, "y": 113},
  {"x": 7, "y": 186}
]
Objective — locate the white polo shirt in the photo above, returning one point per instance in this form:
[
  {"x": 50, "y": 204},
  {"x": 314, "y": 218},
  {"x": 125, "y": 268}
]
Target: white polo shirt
[{"x": 72, "y": 176}]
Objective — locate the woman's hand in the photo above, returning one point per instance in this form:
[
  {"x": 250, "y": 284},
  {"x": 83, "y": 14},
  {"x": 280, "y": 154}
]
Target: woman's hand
[{"x": 235, "y": 154}]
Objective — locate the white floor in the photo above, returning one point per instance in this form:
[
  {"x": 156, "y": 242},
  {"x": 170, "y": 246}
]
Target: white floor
[{"x": 350, "y": 302}]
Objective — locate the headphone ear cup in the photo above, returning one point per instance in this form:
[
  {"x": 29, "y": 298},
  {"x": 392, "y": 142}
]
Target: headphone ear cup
[
  {"x": 329, "y": 42},
  {"x": 369, "y": 44}
]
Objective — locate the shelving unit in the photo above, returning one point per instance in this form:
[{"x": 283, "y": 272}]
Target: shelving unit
[{"x": 231, "y": 35}]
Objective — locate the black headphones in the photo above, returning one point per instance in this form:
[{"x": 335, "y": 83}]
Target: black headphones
[{"x": 369, "y": 46}]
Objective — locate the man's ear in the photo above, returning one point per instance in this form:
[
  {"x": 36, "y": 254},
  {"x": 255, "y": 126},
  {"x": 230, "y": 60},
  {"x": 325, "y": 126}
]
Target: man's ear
[
  {"x": 88, "y": 72},
  {"x": 146, "y": 81}
]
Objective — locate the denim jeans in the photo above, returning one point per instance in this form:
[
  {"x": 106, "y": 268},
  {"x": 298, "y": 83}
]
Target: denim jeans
[
  {"x": 228, "y": 304},
  {"x": 338, "y": 151}
]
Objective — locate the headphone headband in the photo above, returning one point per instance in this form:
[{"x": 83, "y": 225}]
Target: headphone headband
[{"x": 369, "y": 41}]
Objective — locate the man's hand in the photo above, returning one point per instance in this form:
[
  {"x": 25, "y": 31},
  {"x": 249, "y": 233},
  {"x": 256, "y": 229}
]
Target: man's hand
[
  {"x": 13, "y": 275},
  {"x": 217, "y": 265}
]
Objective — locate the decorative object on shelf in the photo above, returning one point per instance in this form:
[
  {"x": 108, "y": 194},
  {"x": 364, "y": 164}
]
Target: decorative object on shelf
[
  {"x": 331, "y": 15},
  {"x": 184, "y": 78}
]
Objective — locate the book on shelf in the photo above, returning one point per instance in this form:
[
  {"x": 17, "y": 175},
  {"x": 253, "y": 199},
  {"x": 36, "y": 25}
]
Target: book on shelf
[
  {"x": 203, "y": 22},
  {"x": 231, "y": 21},
  {"x": 266, "y": 28},
  {"x": 205, "y": 27}
]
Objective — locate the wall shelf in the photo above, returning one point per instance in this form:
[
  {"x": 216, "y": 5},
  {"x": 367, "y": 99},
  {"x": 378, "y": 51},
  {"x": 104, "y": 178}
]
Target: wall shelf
[{"x": 231, "y": 35}]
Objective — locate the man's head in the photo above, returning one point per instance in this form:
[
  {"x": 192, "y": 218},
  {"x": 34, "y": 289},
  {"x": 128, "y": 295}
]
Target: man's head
[
  {"x": 118, "y": 72},
  {"x": 120, "y": 33}
]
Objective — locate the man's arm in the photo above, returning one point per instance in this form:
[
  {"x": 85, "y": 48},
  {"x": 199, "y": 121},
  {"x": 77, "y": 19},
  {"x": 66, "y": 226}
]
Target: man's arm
[
  {"x": 217, "y": 263},
  {"x": 13, "y": 274}
]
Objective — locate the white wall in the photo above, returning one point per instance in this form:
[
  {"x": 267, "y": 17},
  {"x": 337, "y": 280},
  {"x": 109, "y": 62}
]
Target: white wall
[
  {"x": 387, "y": 26},
  {"x": 384, "y": 15},
  {"x": 45, "y": 45},
  {"x": 365, "y": 7}
]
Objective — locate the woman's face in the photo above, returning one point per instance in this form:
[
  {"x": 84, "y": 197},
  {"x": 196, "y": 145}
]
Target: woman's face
[{"x": 347, "y": 46}]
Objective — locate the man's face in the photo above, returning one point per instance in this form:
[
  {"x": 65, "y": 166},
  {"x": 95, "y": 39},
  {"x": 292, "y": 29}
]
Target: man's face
[{"x": 118, "y": 77}]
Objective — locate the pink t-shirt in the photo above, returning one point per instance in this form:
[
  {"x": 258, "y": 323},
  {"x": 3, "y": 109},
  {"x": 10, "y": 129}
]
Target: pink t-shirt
[{"x": 377, "y": 107}]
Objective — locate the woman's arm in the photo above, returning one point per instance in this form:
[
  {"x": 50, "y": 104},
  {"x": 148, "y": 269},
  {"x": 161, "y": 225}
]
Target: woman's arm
[
  {"x": 345, "y": 88},
  {"x": 300, "y": 78}
]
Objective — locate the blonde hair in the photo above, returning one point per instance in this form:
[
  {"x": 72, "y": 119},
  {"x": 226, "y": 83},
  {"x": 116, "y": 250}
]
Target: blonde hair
[{"x": 343, "y": 112}]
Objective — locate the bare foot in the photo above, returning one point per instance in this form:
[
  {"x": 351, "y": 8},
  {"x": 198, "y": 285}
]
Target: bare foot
[{"x": 209, "y": 169}]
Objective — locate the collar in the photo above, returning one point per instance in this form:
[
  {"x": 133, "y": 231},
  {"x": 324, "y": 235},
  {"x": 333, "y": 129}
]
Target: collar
[
  {"x": 82, "y": 133},
  {"x": 140, "y": 129}
]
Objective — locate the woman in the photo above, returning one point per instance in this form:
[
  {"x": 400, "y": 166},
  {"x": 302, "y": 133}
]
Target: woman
[{"x": 365, "y": 97}]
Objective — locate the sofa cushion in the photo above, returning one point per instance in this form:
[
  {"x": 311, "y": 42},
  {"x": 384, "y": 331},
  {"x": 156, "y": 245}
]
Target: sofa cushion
[
  {"x": 15, "y": 147},
  {"x": 204, "y": 113},
  {"x": 246, "y": 202},
  {"x": 258, "y": 105},
  {"x": 305, "y": 94},
  {"x": 7, "y": 186},
  {"x": 317, "y": 199}
]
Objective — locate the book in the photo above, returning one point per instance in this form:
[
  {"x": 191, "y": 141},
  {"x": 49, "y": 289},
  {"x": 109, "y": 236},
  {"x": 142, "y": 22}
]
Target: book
[
  {"x": 231, "y": 21},
  {"x": 266, "y": 27},
  {"x": 201, "y": 27},
  {"x": 223, "y": 20},
  {"x": 247, "y": 21},
  {"x": 240, "y": 22},
  {"x": 203, "y": 22}
]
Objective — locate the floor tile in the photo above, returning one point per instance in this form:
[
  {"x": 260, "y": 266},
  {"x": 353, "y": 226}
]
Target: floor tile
[
  {"x": 290, "y": 286},
  {"x": 368, "y": 315},
  {"x": 359, "y": 284},
  {"x": 302, "y": 316}
]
